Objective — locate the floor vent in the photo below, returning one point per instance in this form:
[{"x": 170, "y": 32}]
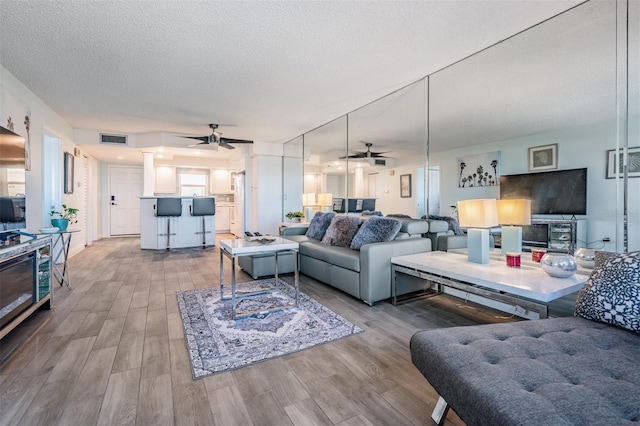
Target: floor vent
[{"x": 113, "y": 139}]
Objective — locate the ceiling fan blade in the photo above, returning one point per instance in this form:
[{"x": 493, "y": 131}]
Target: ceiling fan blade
[
  {"x": 198, "y": 144},
  {"x": 227, "y": 140},
  {"x": 204, "y": 139},
  {"x": 226, "y": 145}
]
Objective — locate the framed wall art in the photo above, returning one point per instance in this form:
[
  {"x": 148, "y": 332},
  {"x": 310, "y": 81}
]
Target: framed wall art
[
  {"x": 405, "y": 186},
  {"x": 614, "y": 163},
  {"x": 68, "y": 173},
  {"x": 479, "y": 170},
  {"x": 543, "y": 157}
]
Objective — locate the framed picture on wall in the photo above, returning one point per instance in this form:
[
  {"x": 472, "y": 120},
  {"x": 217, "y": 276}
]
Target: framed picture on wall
[
  {"x": 405, "y": 186},
  {"x": 614, "y": 163},
  {"x": 543, "y": 158},
  {"x": 68, "y": 173}
]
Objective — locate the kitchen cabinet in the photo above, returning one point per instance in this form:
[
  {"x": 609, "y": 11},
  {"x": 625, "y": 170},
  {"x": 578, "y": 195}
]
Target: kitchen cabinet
[
  {"x": 223, "y": 218},
  {"x": 166, "y": 181},
  {"x": 220, "y": 181}
]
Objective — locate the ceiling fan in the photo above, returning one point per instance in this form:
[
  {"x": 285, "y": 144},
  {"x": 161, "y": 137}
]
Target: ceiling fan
[
  {"x": 366, "y": 154},
  {"x": 215, "y": 139}
]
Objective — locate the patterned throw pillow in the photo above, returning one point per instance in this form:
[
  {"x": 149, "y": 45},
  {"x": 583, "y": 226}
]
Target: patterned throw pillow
[
  {"x": 341, "y": 231},
  {"x": 376, "y": 229},
  {"x": 319, "y": 225},
  {"x": 612, "y": 292}
]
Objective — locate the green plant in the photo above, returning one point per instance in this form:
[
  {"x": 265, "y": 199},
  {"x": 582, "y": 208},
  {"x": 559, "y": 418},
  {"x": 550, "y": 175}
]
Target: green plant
[
  {"x": 68, "y": 213},
  {"x": 293, "y": 215}
]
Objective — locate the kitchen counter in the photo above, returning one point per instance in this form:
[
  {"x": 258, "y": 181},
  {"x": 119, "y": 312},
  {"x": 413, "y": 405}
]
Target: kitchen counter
[{"x": 186, "y": 230}]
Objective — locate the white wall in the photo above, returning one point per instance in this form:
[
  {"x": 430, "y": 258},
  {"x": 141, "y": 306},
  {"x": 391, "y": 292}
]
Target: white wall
[
  {"x": 577, "y": 148},
  {"x": 43, "y": 118}
]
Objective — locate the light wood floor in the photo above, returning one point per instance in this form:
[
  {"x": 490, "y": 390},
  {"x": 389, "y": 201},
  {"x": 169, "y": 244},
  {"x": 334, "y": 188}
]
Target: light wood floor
[{"x": 112, "y": 352}]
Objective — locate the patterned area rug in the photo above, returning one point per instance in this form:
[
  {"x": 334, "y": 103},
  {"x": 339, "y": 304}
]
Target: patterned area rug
[{"x": 217, "y": 343}]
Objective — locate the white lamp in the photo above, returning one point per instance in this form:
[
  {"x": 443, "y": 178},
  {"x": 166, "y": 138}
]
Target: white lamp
[
  {"x": 325, "y": 200},
  {"x": 308, "y": 202},
  {"x": 478, "y": 216},
  {"x": 513, "y": 212}
]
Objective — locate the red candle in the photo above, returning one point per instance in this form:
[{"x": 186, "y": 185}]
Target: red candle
[
  {"x": 536, "y": 254},
  {"x": 513, "y": 260}
]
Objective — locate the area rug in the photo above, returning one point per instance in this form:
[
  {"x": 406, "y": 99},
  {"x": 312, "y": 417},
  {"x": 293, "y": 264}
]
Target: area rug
[{"x": 218, "y": 343}]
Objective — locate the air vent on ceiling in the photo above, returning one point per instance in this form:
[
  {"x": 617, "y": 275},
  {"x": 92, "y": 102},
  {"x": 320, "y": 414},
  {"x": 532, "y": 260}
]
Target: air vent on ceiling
[
  {"x": 113, "y": 139},
  {"x": 381, "y": 162}
]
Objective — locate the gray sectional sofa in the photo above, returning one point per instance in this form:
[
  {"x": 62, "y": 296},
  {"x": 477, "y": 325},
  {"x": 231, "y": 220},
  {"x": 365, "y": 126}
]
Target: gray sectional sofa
[
  {"x": 364, "y": 274},
  {"x": 583, "y": 370}
]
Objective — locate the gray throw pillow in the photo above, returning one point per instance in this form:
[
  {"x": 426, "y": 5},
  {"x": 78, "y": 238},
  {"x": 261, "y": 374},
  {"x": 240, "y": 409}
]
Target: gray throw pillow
[
  {"x": 319, "y": 225},
  {"x": 612, "y": 292},
  {"x": 376, "y": 229},
  {"x": 341, "y": 231}
]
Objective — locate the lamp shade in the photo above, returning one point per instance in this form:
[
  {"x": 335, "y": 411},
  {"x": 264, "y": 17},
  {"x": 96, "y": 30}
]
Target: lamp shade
[
  {"x": 514, "y": 212},
  {"x": 480, "y": 213},
  {"x": 325, "y": 199},
  {"x": 309, "y": 199}
]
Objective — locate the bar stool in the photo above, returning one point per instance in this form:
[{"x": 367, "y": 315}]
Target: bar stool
[
  {"x": 169, "y": 207},
  {"x": 203, "y": 207}
]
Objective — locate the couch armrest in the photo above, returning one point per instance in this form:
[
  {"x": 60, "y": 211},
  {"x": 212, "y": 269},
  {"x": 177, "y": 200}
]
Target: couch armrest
[
  {"x": 375, "y": 265},
  {"x": 294, "y": 230}
]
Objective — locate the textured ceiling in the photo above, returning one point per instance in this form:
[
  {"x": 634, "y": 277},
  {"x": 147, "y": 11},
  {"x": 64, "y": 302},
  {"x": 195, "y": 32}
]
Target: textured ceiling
[{"x": 264, "y": 70}]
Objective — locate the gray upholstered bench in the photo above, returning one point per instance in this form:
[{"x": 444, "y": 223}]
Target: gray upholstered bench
[
  {"x": 559, "y": 371},
  {"x": 262, "y": 265}
]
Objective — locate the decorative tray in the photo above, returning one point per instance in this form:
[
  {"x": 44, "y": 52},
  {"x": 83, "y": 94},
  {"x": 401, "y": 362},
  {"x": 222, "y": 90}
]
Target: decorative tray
[{"x": 261, "y": 240}]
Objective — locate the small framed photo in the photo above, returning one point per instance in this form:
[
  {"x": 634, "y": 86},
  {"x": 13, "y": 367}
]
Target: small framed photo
[
  {"x": 543, "y": 158},
  {"x": 614, "y": 163},
  {"x": 68, "y": 173},
  {"x": 405, "y": 186}
]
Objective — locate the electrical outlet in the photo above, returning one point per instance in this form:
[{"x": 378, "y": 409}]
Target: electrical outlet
[{"x": 606, "y": 239}]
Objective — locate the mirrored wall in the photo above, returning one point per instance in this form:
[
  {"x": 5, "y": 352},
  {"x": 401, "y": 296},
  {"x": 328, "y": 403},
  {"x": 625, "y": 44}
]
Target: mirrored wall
[{"x": 561, "y": 95}]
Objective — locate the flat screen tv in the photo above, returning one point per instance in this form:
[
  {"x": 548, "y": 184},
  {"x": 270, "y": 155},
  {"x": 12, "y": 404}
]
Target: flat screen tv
[{"x": 556, "y": 192}]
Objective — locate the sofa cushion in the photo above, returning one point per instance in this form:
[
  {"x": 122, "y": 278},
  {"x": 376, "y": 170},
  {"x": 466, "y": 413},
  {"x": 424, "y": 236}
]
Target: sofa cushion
[
  {"x": 413, "y": 226},
  {"x": 315, "y": 249},
  {"x": 612, "y": 292},
  {"x": 374, "y": 230},
  {"x": 344, "y": 257},
  {"x": 341, "y": 231},
  {"x": 319, "y": 225}
]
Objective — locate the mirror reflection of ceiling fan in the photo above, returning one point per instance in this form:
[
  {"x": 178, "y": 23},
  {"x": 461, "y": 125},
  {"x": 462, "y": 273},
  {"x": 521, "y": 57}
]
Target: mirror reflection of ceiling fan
[
  {"x": 366, "y": 154},
  {"x": 215, "y": 139}
]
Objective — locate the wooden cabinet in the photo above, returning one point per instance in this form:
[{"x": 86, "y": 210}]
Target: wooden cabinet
[{"x": 166, "y": 181}]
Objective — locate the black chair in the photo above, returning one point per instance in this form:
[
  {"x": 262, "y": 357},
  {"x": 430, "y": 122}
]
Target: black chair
[
  {"x": 203, "y": 207},
  {"x": 169, "y": 207}
]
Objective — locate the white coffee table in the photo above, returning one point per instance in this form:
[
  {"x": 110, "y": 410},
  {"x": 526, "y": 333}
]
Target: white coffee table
[
  {"x": 241, "y": 247},
  {"x": 523, "y": 291}
]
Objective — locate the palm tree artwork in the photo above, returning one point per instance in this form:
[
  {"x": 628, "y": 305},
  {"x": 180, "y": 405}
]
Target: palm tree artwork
[{"x": 483, "y": 170}]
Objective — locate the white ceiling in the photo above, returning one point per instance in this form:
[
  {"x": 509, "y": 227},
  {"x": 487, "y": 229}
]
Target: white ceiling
[{"x": 264, "y": 70}]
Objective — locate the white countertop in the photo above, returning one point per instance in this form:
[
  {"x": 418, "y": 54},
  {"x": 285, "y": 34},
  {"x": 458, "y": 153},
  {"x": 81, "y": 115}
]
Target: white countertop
[{"x": 527, "y": 281}]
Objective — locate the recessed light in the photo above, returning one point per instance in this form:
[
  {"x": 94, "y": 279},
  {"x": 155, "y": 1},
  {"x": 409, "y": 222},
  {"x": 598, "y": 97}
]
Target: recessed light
[
  {"x": 120, "y": 157},
  {"x": 160, "y": 149},
  {"x": 160, "y": 156}
]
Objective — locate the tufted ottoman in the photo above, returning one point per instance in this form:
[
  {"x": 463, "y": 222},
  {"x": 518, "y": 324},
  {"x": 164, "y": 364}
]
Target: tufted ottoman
[{"x": 560, "y": 371}]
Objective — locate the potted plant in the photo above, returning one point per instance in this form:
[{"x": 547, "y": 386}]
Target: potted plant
[
  {"x": 61, "y": 219},
  {"x": 295, "y": 216}
]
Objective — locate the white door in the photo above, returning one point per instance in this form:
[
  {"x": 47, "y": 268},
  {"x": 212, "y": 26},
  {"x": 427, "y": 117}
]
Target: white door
[{"x": 125, "y": 188}]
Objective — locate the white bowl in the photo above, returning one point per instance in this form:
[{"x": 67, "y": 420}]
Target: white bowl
[{"x": 51, "y": 230}]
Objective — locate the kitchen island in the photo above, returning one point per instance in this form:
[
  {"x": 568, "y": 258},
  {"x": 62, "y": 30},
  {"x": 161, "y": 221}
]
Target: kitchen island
[{"x": 186, "y": 230}]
